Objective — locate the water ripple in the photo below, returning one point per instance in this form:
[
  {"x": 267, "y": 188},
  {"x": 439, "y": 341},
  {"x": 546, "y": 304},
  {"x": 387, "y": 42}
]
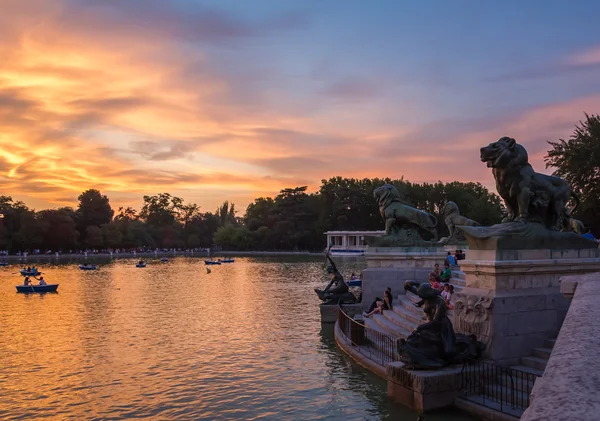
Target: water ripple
[{"x": 173, "y": 342}]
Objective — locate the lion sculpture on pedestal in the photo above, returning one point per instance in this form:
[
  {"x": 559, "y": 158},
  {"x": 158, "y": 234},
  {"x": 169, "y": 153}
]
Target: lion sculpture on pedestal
[
  {"x": 403, "y": 220},
  {"x": 528, "y": 196},
  {"x": 453, "y": 218}
]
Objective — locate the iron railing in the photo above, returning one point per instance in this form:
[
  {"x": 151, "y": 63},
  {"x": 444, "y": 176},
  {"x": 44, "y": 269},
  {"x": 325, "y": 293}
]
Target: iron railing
[
  {"x": 500, "y": 388},
  {"x": 374, "y": 345}
]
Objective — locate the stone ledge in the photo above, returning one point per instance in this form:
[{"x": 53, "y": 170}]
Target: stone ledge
[
  {"x": 423, "y": 390},
  {"x": 569, "y": 388}
]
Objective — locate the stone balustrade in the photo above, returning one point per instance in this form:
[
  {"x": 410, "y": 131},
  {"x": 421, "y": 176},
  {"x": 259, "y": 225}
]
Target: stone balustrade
[{"x": 570, "y": 386}]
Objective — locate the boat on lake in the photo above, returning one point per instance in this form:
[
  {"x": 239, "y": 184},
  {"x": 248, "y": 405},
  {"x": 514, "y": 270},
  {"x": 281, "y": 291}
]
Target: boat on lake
[
  {"x": 88, "y": 267},
  {"x": 164, "y": 259},
  {"x": 25, "y": 272},
  {"x": 140, "y": 265},
  {"x": 227, "y": 260},
  {"x": 354, "y": 283},
  {"x": 211, "y": 262},
  {"x": 37, "y": 288},
  {"x": 3, "y": 263}
]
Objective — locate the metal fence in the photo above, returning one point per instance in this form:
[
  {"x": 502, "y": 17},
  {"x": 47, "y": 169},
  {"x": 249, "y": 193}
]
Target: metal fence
[
  {"x": 500, "y": 388},
  {"x": 374, "y": 345}
]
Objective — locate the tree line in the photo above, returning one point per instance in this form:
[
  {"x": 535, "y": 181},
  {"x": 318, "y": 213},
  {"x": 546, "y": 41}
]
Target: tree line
[{"x": 293, "y": 220}]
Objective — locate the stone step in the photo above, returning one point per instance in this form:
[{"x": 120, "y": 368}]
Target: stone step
[
  {"x": 542, "y": 353},
  {"x": 458, "y": 282},
  {"x": 377, "y": 335},
  {"x": 498, "y": 392},
  {"x": 403, "y": 323},
  {"x": 550, "y": 343},
  {"x": 474, "y": 402},
  {"x": 519, "y": 381},
  {"x": 407, "y": 303},
  {"x": 390, "y": 327},
  {"x": 415, "y": 317},
  {"x": 528, "y": 369},
  {"x": 459, "y": 274},
  {"x": 535, "y": 362}
]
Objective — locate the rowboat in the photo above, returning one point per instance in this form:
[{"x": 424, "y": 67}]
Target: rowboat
[
  {"x": 87, "y": 267},
  {"x": 140, "y": 265},
  {"x": 30, "y": 272},
  {"x": 37, "y": 288},
  {"x": 164, "y": 259},
  {"x": 3, "y": 263},
  {"x": 227, "y": 260},
  {"x": 211, "y": 262},
  {"x": 354, "y": 283}
]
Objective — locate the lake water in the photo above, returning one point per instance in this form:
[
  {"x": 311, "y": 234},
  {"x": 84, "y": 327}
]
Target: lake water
[{"x": 172, "y": 342}]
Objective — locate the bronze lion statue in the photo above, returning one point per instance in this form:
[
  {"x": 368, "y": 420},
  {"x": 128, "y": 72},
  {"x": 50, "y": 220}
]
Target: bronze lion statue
[
  {"x": 573, "y": 225},
  {"x": 397, "y": 215},
  {"x": 453, "y": 218},
  {"x": 528, "y": 196}
]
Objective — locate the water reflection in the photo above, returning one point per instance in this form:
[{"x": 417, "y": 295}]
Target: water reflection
[{"x": 171, "y": 341}]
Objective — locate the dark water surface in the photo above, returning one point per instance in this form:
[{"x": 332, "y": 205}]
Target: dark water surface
[{"x": 171, "y": 342}]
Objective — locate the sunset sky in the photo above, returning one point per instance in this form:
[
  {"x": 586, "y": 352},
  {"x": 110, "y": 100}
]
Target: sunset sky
[{"x": 236, "y": 99}]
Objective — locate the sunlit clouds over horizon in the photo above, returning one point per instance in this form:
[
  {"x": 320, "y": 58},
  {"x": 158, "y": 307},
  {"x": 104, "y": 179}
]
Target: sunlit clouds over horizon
[{"x": 229, "y": 100}]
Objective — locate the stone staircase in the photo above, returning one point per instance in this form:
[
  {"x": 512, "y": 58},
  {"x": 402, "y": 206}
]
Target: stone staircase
[{"x": 405, "y": 316}]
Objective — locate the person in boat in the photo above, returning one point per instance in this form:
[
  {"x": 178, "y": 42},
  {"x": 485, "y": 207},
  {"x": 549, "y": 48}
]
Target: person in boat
[
  {"x": 28, "y": 268},
  {"x": 141, "y": 262},
  {"x": 42, "y": 281},
  {"x": 27, "y": 281},
  {"x": 353, "y": 277}
]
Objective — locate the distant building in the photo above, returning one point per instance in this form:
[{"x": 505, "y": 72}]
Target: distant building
[{"x": 349, "y": 243}]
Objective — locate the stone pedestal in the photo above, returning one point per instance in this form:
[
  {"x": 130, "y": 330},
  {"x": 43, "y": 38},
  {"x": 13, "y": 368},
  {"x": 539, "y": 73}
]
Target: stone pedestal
[
  {"x": 423, "y": 390},
  {"x": 392, "y": 266},
  {"x": 512, "y": 300}
]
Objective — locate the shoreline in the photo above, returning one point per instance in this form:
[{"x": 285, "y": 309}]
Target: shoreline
[{"x": 31, "y": 257}]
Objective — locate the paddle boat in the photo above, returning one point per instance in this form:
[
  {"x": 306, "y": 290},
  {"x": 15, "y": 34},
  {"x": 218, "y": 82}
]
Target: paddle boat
[
  {"x": 37, "y": 288},
  {"x": 32, "y": 272},
  {"x": 211, "y": 262},
  {"x": 88, "y": 267},
  {"x": 140, "y": 265},
  {"x": 227, "y": 260}
]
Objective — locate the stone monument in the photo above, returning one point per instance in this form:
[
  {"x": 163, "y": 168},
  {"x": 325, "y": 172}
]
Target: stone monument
[
  {"x": 453, "y": 219},
  {"x": 407, "y": 251},
  {"x": 512, "y": 300}
]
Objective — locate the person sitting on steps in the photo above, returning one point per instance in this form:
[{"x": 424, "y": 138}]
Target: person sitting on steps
[
  {"x": 378, "y": 300},
  {"x": 385, "y": 305},
  {"x": 447, "y": 273}
]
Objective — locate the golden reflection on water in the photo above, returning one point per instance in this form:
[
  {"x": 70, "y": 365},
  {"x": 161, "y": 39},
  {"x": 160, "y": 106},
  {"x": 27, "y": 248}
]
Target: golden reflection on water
[{"x": 171, "y": 341}]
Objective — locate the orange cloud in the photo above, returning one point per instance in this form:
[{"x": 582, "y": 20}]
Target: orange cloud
[{"x": 130, "y": 98}]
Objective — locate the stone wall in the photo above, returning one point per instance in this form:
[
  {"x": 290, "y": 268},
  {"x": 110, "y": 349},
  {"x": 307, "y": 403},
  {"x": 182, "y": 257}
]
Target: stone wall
[
  {"x": 392, "y": 266},
  {"x": 512, "y": 300},
  {"x": 570, "y": 386}
]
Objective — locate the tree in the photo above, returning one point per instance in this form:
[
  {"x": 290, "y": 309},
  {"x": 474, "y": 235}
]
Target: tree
[
  {"x": 94, "y": 209},
  {"x": 58, "y": 228},
  {"x": 93, "y": 237},
  {"x": 160, "y": 210},
  {"x": 112, "y": 235},
  {"x": 577, "y": 160}
]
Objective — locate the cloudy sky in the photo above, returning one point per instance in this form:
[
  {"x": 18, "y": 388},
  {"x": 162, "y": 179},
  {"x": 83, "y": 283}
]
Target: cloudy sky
[{"x": 235, "y": 99}]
